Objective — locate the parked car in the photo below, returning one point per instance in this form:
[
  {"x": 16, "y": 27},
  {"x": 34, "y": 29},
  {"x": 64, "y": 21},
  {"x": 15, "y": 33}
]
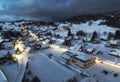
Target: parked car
[{"x": 115, "y": 52}]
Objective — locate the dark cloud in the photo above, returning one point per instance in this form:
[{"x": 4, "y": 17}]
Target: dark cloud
[{"x": 37, "y": 9}]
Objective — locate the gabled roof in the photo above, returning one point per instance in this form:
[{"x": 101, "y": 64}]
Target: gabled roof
[{"x": 80, "y": 55}]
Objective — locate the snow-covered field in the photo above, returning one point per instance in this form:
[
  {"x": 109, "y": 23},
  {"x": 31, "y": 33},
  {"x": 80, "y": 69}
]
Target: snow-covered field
[
  {"x": 97, "y": 70},
  {"x": 48, "y": 70},
  {"x": 93, "y": 27}
]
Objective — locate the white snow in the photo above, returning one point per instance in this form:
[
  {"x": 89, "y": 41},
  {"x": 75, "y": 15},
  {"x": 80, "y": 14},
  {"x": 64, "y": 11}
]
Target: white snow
[
  {"x": 8, "y": 26},
  {"x": 89, "y": 29},
  {"x": 81, "y": 55},
  {"x": 48, "y": 70},
  {"x": 15, "y": 72},
  {"x": 2, "y": 77}
]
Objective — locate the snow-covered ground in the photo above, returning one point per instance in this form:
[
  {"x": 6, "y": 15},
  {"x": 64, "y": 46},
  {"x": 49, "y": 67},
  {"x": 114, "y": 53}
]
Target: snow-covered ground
[
  {"x": 97, "y": 70},
  {"x": 55, "y": 69},
  {"x": 94, "y": 70},
  {"x": 2, "y": 77},
  {"x": 48, "y": 70},
  {"x": 91, "y": 28},
  {"x": 15, "y": 72}
]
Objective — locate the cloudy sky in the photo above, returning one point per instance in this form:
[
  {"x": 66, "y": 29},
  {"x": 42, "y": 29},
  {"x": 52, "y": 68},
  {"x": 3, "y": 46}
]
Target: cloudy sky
[{"x": 45, "y": 9}]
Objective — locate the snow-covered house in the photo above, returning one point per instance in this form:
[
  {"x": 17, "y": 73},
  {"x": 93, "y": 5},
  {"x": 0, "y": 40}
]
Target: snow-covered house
[
  {"x": 113, "y": 43},
  {"x": 62, "y": 34},
  {"x": 51, "y": 28},
  {"x": 60, "y": 41},
  {"x": 76, "y": 37},
  {"x": 104, "y": 38},
  {"x": 30, "y": 40},
  {"x": 44, "y": 45},
  {"x": 63, "y": 25},
  {"x": 79, "y": 58},
  {"x": 89, "y": 50},
  {"x": 28, "y": 49},
  {"x": 87, "y": 39},
  {"x": 76, "y": 47}
]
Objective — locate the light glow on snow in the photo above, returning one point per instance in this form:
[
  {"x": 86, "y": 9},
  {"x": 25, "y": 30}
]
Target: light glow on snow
[{"x": 58, "y": 48}]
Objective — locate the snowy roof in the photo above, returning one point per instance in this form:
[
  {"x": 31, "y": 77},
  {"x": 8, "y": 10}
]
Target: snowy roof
[
  {"x": 9, "y": 26},
  {"x": 62, "y": 34},
  {"x": 104, "y": 37},
  {"x": 45, "y": 45},
  {"x": 48, "y": 70},
  {"x": 87, "y": 38},
  {"x": 53, "y": 38},
  {"x": 51, "y": 27},
  {"x": 62, "y": 25},
  {"x": 28, "y": 48},
  {"x": 113, "y": 42},
  {"x": 77, "y": 47},
  {"x": 60, "y": 41},
  {"x": 81, "y": 55},
  {"x": 66, "y": 56},
  {"x": 3, "y": 53},
  {"x": 90, "y": 49}
]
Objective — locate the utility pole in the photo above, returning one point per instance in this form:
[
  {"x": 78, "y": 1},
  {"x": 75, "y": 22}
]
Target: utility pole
[{"x": 116, "y": 59}]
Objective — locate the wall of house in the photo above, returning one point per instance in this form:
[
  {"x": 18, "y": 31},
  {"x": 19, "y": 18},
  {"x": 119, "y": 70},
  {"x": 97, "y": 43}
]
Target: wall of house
[{"x": 84, "y": 65}]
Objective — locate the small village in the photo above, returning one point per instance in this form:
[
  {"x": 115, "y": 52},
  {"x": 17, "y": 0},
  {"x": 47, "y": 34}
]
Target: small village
[{"x": 59, "y": 52}]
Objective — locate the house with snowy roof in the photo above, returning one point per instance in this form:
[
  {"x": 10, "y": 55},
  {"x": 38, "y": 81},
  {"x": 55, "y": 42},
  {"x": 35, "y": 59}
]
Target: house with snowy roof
[
  {"x": 45, "y": 45},
  {"x": 89, "y": 50},
  {"x": 60, "y": 41},
  {"x": 28, "y": 49},
  {"x": 79, "y": 58},
  {"x": 104, "y": 38},
  {"x": 113, "y": 43},
  {"x": 87, "y": 39},
  {"x": 62, "y": 33}
]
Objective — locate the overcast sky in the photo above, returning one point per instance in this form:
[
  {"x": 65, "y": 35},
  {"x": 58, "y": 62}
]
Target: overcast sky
[{"x": 37, "y": 9}]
